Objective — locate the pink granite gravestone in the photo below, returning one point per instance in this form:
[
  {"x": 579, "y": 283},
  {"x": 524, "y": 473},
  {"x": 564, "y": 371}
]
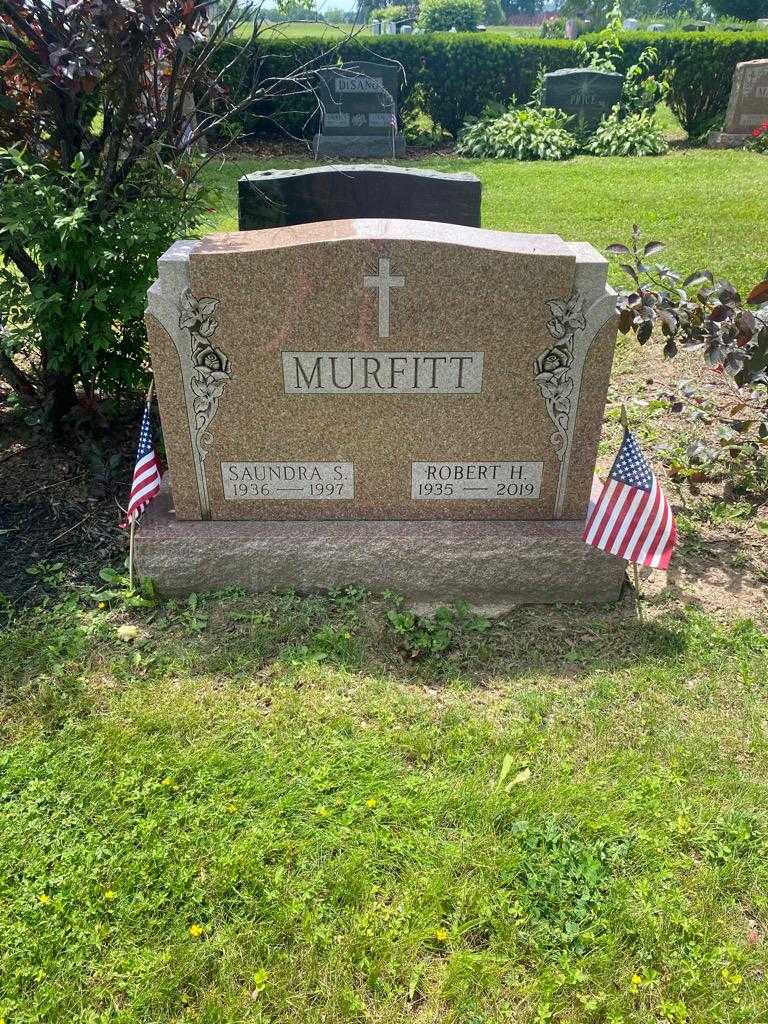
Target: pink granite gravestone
[{"x": 403, "y": 404}]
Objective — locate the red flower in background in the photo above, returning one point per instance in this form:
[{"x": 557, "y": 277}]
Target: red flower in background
[{"x": 756, "y": 133}]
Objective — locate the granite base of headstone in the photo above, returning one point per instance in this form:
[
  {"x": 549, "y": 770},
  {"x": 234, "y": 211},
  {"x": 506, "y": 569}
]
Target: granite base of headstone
[
  {"x": 747, "y": 105},
  {"x": 586, "y": 94},
  {"x": 269, "y": 199},
  {"x": 493, "y": 566},
  {"x": 359, "y": 102},
  {"x": 404, "y": 405}
]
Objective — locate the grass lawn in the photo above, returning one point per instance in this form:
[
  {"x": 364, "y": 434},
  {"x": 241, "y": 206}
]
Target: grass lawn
[
  {"x": 263, "y": 810},
  {"x": 257, "y": 810},
  {"x": 708, "y": 206}
]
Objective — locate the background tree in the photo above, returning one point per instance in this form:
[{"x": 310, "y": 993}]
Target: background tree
[
  {"x": 511, "y": 7},
  {"x": 747, "y": 10},
  {"x": 104, "y": 106}
]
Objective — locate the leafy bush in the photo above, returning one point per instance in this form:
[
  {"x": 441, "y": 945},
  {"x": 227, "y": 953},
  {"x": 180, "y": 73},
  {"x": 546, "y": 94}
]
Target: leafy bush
[
  {"x": 76, "y": 316},
  {"x": 553, "y": 28},
  {"x": 395, "y": 12},
  {"x": 700, "y": 313},
  {"x": 747, "y": 10},
  {"x": 759, "y": 141},
  {"x": 523, "y": 133},
  {"x": 443, "y": 15},
  {"x": 493, "y": 14},
  {"x": 637, "y": 134},
  {"x": 98, "y": 174},
  {"x": 643, "y": 90}
]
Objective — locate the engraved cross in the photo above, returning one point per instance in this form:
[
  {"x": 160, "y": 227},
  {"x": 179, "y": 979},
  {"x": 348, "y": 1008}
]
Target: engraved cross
[{"x": 383, "y": 282}]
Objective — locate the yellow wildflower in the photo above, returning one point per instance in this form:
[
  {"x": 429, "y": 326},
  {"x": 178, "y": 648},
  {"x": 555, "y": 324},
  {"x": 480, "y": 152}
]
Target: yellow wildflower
[
  {"x": 196, "y": 930},
  {"x": 44, "y": 898},
  {"x": 231, "y": 808},
  {"x": 102, "y": 604},
  {"x": 441, "y": 934},
  {"x": 110, "y": 895},
  {"x": 322, "y": 812},
  {"x": 167, "y": 782},
  {"x": 371, "y": 803}
]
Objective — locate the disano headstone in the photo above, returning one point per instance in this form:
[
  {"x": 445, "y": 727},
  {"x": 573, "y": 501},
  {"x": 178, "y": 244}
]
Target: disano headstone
[{"x": 381, "y": 370}]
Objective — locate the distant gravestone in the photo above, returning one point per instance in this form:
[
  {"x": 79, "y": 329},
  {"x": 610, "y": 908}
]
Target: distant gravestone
[
  {"x": 695, "y": 26},
  {"x": 631, "y": 24},
  {"x": 359, "y": 111},
  {"x": 269, "y": 199},
  {"x": 762, "y": 23},
  {"x": 398, "y": 404},
  {"x": 406, "y": 30},
  {"x": 586, "y": 94},
  {"x": 747, "y": 105},
  {"x": 657, "y": 26},
  {"x": 376, "y": 27}
]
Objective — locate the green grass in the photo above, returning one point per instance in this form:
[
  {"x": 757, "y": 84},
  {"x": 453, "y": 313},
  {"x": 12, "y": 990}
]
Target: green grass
[
  {"x": 257, "y": 810},
  {"x": 707, "y": 205}
]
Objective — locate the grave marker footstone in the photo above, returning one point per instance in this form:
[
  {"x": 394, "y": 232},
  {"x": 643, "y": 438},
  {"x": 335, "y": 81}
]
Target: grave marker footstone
[
  {"x": 747, "y": 105},
  {"x": 359, "y": 102},
  {"x": 402, "y": 404},
  {"x": 583, "y": 92},
  {"x": 269, "y": 199}
]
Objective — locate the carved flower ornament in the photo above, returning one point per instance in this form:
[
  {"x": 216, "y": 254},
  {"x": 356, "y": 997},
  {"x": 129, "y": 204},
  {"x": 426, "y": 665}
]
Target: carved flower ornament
[
  {"x": 553, "y": 367},
  {"x": 210, "y": 366}
]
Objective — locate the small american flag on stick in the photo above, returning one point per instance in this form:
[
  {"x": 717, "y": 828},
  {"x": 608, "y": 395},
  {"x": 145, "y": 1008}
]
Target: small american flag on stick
[
  {"x": 146, "y": 475},
  {"x": 632, "y": 518}
]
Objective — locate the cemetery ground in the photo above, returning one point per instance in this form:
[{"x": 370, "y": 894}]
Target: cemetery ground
[{"x": 321, "y": 809}]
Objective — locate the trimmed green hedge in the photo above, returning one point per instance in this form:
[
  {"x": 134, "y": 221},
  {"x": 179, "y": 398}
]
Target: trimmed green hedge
[{"x": 452, "y": 76}]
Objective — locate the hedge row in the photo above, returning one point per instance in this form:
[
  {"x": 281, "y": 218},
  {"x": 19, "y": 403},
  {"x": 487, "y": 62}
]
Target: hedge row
[{"x": 454, "y": 76}]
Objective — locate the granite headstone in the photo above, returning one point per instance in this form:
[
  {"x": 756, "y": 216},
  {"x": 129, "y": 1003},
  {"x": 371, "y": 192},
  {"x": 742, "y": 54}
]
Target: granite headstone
[
  {"x": 747, "y": 105},
  {"x": 268, "y": 199},
  {"x": 583, "y": 92},
  {"x": 402, "y": 404},
  {"x": 359, "y": 102}
]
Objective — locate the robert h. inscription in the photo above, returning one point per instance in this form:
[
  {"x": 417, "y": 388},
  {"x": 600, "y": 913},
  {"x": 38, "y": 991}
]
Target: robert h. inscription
[
  {"x": 476, "y": 481},
  {"x": 382, "y": 373}
]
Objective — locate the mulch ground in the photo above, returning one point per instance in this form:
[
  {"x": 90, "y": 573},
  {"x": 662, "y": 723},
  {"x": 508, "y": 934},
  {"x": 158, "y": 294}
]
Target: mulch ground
[{"x": 59, "y": 505}]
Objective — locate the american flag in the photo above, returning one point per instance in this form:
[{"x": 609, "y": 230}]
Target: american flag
[
  {"x": 632, "y": 518},
  {"x": 393, "y": 121},
  {"x": 146, "y": 475}
]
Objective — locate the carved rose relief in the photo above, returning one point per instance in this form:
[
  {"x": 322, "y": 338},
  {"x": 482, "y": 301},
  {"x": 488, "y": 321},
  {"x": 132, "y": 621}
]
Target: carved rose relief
[
  {"x": 210, "y": 367},
  {"x": 553, "y": 368}
]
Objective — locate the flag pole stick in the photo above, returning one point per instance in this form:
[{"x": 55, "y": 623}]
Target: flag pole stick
[
  {"x": 147, "y": 403},
  {"x": 636, "y": 574},
  {"x": 130, "y": 555}
]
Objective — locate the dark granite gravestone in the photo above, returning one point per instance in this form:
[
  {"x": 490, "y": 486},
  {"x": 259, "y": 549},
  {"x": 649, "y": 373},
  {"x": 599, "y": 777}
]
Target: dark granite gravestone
[
  {"x": 359, "y": 111},
  {"x": 583, "y": 92},
  {"x": 270, "y": 199}
]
